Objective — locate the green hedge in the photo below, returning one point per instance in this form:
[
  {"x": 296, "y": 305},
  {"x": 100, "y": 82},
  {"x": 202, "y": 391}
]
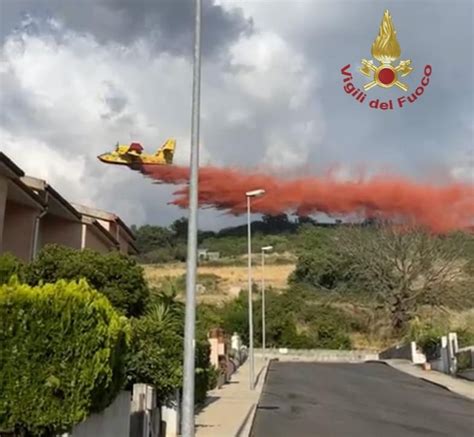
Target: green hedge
[
  {"x": 9, "y": 266},
  {"x": 62, "y": 347}
]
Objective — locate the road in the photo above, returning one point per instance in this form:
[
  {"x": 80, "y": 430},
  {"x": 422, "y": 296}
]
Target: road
[{"x": 352, "y": 400}]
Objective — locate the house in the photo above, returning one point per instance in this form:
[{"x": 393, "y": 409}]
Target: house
[
  {"x": 20, "y": 209},
  {"x": 114, "y": 225},
  {"x": 33, "y": 214}
]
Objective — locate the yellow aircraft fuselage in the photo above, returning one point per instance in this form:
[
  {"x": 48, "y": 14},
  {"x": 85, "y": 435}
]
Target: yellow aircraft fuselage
[{"x": 125, "y": 155}]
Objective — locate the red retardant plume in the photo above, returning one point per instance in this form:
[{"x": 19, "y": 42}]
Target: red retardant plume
[{"x": 440, "y": 208}]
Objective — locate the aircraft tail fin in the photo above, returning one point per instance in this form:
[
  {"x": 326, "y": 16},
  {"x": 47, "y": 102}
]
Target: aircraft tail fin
[{"x": 166, "y": 151}]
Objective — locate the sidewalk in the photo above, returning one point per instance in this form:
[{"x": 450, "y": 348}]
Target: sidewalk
[
  {"x": 230, "y": 410},
  {"x": 456, "y": 385}
]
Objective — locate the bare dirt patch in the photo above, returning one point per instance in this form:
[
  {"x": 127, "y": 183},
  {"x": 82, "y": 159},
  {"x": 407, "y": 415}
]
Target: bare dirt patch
[{"x": 231, "y": 278}]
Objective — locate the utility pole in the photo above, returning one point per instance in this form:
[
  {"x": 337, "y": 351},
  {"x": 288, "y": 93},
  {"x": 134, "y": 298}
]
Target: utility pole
[
  {"x": 264, "y": 249},
  {"x": 250, "y": 298},
  {"x": 191, "y": 266},
  {"x": 249, "y": 195}
]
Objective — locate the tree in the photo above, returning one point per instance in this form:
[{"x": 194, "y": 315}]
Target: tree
[
  {"x": 115, "y": 275},
  {"x": 304, "y": 219},
  {"x": 277, "y": 223},
  {"x": 180, "y": 228},
  {"x": 62, "y": 349},
  {"x": 156, "y": 350},
  {"x": 322, "y": 261},
  {"x": 151, "y": 238},
  {"x": 405, "y": 267}
]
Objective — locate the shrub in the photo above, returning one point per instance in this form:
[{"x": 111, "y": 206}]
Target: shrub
[
  {"x": 204, "y": 370},
  {"x": 115, "y": 275},
  {"x": 156, "y": 353},
  {"x": 9, "y": 266},
  {"x": 428, "y": 335},
  {"x": 465, "y": 336},
  {"x": 61, "y": 355},
  {"x": 328, "y": 327}
]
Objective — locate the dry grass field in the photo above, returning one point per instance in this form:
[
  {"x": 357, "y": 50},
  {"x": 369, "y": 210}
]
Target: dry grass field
[{"x": 231, "y": 279}]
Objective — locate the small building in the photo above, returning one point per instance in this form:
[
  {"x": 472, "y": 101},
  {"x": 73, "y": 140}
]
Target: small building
[
  {"x": 205, "y": 255},
  {"x": 213, "y": 256},
  {"x": 202, "y": 254}
]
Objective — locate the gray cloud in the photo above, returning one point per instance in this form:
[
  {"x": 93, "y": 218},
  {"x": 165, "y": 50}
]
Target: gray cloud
[
  {"x": 421, "y": 135},
  {"x": 167, "y": 23},
  {"x": 248, "y": 118}
]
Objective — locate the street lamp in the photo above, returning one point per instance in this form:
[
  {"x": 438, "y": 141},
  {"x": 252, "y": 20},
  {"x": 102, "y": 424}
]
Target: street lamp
[
  {"x": 264, "y": 249},
  {"x": 250, "y": 194},
  {"x": 187, "y": 420}
]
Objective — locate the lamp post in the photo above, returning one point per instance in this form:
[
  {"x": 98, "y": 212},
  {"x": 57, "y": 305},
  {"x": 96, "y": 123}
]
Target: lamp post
[
  {"x": 250, "y": 194},
  {"x": 264, "y": 249},
  {"x": 187, "y": 422}
]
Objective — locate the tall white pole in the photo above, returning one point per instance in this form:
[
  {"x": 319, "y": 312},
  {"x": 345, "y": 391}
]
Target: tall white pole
[
  {"x": 190, "y": 316},
  {"x": 249, "y": 236},
  {"x": 263, "y": 304}
]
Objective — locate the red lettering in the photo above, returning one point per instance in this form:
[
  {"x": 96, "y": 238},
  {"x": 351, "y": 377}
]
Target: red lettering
[
  {"x": 400, "y": 101},
  {"x": 344, "y": 70},
  {"x": 349, "y": 88},
  {"x": 420, "y": 92},
  {"x": 427, "y": 70},
  {"x": 374, "y": 103},
  {"x": 423, "y": 81}
]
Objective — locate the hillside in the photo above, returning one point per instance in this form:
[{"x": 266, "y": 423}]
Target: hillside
[
  {"x": 218, "y": 283},
  {"x": 366, "y": 286}
]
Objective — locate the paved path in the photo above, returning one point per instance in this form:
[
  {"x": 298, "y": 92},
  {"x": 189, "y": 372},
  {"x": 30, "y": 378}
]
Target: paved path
[
  {"x": 456, "y": 385},
  {"x": 352, "y": 400},
  {"x": 230, "y": 409}
]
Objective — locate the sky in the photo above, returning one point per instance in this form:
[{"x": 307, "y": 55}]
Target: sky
[{"x": 77, "y": 77}]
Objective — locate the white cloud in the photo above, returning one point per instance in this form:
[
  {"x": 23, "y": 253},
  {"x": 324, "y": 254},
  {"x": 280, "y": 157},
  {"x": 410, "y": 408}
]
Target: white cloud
[
  {"x": 65, "y": 97},
  {"x": 70, "y": 98},
  {"x": 268, "y": 69}
]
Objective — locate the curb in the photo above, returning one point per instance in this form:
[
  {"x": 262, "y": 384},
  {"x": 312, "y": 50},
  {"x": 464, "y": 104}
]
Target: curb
[
  {"x": 430, "y": 381},
  {"x": 438, "y": 385},
  {"x": 255, "y": 407}
]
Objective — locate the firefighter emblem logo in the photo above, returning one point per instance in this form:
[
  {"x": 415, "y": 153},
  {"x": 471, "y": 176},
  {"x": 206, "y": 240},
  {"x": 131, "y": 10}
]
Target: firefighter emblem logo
[{"x": 386, "y": 50}]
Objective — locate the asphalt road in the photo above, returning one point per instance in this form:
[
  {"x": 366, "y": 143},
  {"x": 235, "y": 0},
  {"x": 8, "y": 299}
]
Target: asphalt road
[{"x": 352, "y": 400}]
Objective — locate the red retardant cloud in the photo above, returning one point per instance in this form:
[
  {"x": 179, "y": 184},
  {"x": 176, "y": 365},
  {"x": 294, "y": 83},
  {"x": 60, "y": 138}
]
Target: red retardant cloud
[{"x": 440, "y": 208}]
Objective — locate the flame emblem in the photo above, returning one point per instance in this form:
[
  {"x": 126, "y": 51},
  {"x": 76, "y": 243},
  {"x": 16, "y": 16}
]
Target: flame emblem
[{"x": 386, "y": 50}]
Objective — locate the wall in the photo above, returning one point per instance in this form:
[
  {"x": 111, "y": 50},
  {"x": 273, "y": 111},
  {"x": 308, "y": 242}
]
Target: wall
[
  {"x": 105, "y": 224},
  {"x": 3, "y": 203},
  {"x": 123, "y": 240},
  {"x": 94, "y": 242},
  {"x": 55, "y": 230},
  {"x": 114, "y": 421},
  {"x": 319, "y": 355},
  {"x": 408, "y": 351},
  {"x": 19, "y": 226}
]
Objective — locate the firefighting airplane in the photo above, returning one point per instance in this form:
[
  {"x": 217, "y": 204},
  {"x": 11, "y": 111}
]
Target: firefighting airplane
[{"x": 133, "y": 155}]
